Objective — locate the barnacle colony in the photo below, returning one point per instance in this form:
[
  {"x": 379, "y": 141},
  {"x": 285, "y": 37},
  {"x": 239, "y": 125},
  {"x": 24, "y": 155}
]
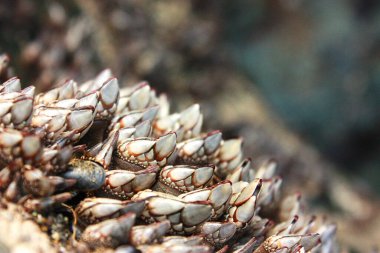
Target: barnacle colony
[{"x": 141, "y": 179}]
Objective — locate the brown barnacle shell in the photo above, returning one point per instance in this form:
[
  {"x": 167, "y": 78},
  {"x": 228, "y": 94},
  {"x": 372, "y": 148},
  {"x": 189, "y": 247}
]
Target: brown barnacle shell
[{"x": 184, "y": 178}]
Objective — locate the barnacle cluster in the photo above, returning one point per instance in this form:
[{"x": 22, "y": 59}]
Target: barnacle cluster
[{"x": 138, "y": 178}]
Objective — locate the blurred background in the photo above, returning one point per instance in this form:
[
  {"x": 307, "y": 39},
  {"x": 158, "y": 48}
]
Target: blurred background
[{"x": 298, "y": 79}]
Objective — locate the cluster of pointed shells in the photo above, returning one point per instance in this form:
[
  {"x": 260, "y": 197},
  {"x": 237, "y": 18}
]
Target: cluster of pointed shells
[{"x": 141, "y": 179}]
